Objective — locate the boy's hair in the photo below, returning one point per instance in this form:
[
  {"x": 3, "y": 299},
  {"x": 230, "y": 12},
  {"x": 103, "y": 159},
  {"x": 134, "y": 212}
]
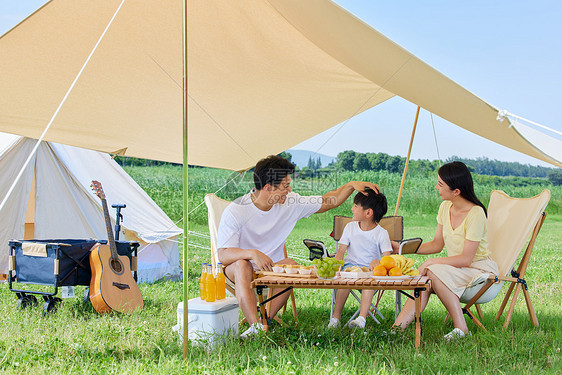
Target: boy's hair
[
  {"x": 374, "y": 201},
  {"x": 272, "y": 170}
]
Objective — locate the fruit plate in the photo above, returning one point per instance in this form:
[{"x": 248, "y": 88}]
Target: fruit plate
[
  {"x": 356, "y": 275},
  {"x": 402, "y": 277}
]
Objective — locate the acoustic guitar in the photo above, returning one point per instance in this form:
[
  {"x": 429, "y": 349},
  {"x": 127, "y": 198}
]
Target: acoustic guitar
[{"x": 112, "y": 286}]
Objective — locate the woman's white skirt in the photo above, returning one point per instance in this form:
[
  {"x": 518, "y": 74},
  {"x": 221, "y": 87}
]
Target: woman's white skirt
[{"x": 457, "y": 279}]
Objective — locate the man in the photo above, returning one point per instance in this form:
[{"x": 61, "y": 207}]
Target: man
[{"x": 254, "y": 228}]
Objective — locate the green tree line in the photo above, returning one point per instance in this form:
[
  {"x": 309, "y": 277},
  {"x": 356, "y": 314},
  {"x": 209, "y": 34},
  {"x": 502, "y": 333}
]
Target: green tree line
[{"x": 519, "y": 174}]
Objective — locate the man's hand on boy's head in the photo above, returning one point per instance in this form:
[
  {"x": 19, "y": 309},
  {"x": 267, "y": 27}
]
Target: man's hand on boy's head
[{"x": 362, "y": 186}]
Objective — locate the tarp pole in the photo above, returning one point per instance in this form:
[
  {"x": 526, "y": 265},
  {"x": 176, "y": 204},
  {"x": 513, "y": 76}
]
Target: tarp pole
[
  {"x": 407, "y": 160},
  {"x": 185, "y": 187}
]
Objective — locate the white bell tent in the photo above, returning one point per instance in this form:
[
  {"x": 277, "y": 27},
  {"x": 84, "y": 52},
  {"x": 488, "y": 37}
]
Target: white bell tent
[{"x": 53, "y": 200}]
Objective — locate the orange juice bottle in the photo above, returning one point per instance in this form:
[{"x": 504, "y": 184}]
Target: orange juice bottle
[
  {"x": 220, "y": 283},
  {"x": 210, "y": 285},
  {"x": 203, "y": 282}
]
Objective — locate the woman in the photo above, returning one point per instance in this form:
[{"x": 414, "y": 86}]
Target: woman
[{"x": 461, "y": 228}]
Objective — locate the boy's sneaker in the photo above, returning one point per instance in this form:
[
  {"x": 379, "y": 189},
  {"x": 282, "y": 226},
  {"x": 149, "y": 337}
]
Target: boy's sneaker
[
  {"x": 455, "y": 334},
  {"x": 254, "y": 329},
  {"x": 359, "y": 322},
  {"x": 334, "y": 323}
]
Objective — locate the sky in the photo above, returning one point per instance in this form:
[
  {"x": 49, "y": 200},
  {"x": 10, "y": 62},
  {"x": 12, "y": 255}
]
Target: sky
[{"x": 509, "y": 53}]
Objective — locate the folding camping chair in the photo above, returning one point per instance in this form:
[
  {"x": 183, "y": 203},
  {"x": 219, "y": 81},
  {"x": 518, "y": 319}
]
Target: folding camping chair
[
  {"x": 510, "y": 223},
  {"x": 216, "y": 207},
  {"x": 394, "y": 225}
]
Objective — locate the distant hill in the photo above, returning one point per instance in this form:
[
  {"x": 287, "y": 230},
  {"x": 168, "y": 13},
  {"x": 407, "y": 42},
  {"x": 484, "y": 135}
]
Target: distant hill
[{"x": 300, "y": 157}]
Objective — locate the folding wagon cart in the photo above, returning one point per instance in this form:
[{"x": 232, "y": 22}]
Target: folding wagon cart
[{"x": 56, "y": 263}]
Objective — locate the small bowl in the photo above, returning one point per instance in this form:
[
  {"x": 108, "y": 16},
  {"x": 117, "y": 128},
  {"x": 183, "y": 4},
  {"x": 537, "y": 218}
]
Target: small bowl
[
  {"x": 278, "y": 269},
  {"x": 304, "y": 271},
  {"x": 292, "y": 270}
]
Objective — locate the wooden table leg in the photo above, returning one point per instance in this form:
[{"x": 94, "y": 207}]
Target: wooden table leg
[
  {"x": 417, "y": 298},
  {"x": 263, "y": 310}
]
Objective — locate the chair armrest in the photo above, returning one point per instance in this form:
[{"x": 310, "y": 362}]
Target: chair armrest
[{"x": 410, "y": 245}]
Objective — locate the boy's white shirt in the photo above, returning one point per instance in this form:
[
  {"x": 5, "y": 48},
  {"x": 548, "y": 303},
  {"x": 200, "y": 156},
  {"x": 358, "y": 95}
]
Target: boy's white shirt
[
  {"x": 245, "y": 226},
  {"x": 364, "y": 246}
]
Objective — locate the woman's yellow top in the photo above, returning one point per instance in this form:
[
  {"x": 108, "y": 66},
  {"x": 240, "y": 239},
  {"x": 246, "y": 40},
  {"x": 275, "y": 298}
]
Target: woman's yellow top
[{"x": 473, "y": 228}]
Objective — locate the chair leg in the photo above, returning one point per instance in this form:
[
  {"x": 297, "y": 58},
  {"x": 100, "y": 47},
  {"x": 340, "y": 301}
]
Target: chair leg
[
  {"x": 472, "y": 302},
  {"x": 278, "y": 320},
  {"x": 532, "y": 314},
  {"x": 479, "y": 311},
  {"x": 352, "y": 317},
  {"x": 356, "y": 297},
  {"x": 474, "y": 319},
  {"x": 512, "y": 305},
  {"x": 374, "y": 307},
  {"x": 381, "y": 292},
  {"x": 352, "y": 292},
  {"x": 505, "y": 300},
  {"x": 374, "y": 318}
]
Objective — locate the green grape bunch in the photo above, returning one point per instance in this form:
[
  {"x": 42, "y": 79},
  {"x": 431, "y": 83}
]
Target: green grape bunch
[{"x": 326, "y": 268}]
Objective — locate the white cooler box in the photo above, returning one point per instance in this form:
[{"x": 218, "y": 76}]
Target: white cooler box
[{"x": 208, "y": 322}]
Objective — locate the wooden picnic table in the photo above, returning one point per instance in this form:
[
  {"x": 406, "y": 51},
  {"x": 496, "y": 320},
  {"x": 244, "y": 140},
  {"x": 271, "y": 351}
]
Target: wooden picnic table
[{"x": 416, "y": 284}]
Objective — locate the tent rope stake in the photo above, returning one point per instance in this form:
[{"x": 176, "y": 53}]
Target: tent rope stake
[{"x": 16, "y": 180}]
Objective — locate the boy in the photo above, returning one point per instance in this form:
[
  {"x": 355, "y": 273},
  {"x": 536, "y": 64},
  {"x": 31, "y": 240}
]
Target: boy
[{"x": 366, "y": 243}]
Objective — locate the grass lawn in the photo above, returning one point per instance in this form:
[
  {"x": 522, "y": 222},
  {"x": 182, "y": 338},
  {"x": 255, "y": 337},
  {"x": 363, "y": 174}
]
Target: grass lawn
[{"x": 77, "y": 340}]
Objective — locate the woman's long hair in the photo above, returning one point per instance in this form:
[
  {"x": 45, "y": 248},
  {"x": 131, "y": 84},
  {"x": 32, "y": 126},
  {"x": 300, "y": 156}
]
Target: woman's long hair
[{"x": 457, "y": 176}]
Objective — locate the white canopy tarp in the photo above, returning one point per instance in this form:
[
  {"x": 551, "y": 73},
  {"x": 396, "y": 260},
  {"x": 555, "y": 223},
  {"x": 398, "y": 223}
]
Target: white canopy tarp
[
  {"x": 53, "y": 199},
  {"x": 263, "y": 75}
]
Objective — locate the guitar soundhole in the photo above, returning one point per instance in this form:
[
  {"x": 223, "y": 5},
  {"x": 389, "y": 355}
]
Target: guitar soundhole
[{"x": 116, "y": 266}]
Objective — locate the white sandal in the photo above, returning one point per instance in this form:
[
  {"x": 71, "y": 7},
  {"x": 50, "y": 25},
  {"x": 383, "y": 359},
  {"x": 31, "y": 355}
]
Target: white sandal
[{"x": 455, "y": 334}]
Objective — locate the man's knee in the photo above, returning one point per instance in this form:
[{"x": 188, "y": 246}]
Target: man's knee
[{"x": 240, "y": 270}]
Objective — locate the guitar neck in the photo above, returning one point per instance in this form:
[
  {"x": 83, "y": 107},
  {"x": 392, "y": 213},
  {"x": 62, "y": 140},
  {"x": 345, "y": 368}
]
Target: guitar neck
[{"x": 110, "y": 237}]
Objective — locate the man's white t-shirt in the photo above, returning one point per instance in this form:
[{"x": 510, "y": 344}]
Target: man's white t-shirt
[
  {"x": 245, "y": 226},
  {"x": 364, "y": 245}
]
